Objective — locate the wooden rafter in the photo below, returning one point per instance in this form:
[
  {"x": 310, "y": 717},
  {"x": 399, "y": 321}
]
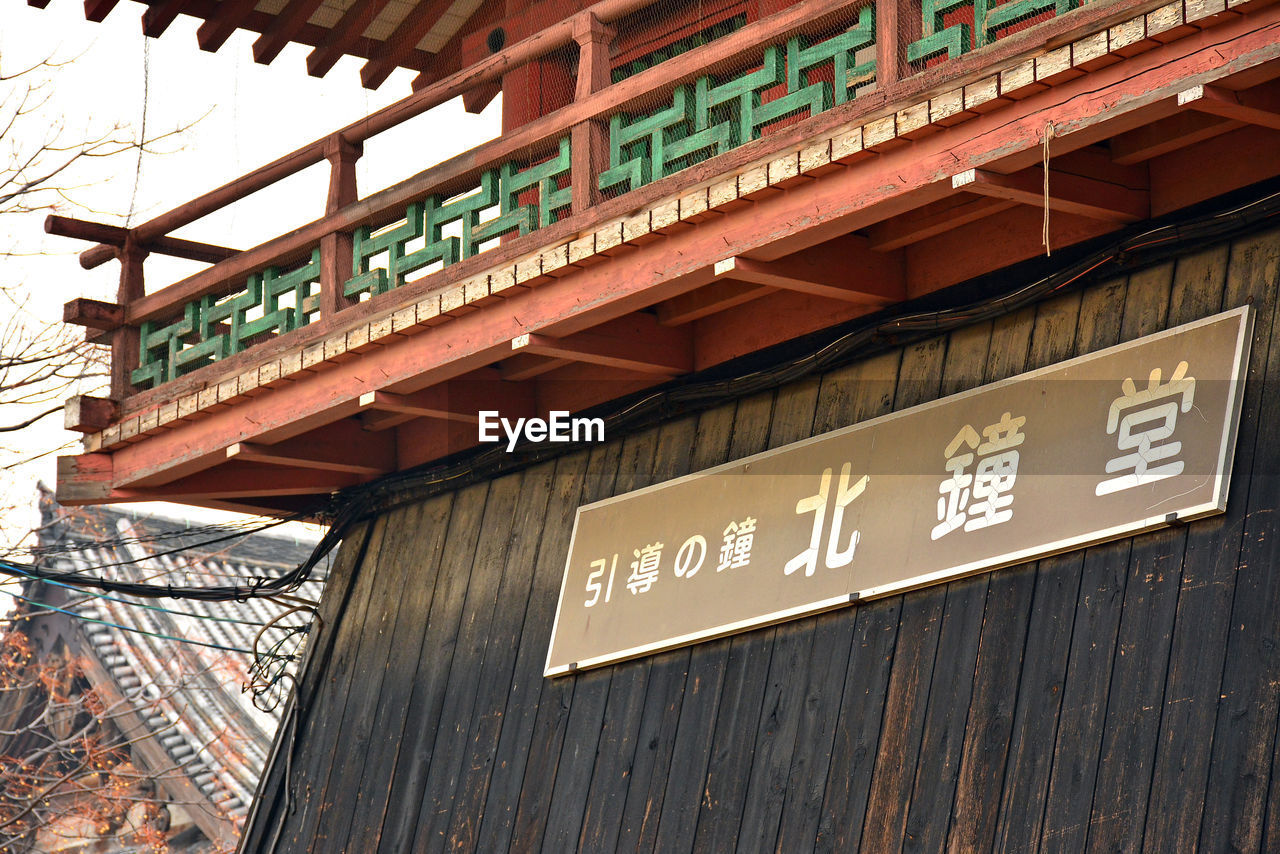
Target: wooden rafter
[
  {"x": 633, "y": 355},
  {"x": 775, "y": 274},
  {"x": 459, "y": 400},
  {"x": 1166, "y": 135},
  {"x": 230, "y": 15},
  {"x": 97, "y": 10},
  {"x": 1066, "y": 193},
  {"x": 95, "y": 314},
  {"x": 157, "y": 18},
  {"x": 402, "y": 41},
  {"x": 114, "y": 235},
  {"x": 85, "y": 414},
  {"x": 342, "y": 36},
  {"x": 1251, "y": 106},
  {"x": 300, "y": 459},
  {"x": 933, "y": 219},
  {"x": 708, "y": 300},
  {"x": 241, "y": 480},
  {"x": 283, "y": 29}
]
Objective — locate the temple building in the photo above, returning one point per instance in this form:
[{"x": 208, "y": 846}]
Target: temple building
[{"x": 824, "y": 425}]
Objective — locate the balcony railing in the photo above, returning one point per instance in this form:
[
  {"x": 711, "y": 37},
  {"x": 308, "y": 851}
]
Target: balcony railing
[{"x": 550, "y": 178}]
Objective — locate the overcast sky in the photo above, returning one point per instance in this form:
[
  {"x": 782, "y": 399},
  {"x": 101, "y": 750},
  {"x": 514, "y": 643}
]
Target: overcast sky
[{"x": 243, "y": 115}]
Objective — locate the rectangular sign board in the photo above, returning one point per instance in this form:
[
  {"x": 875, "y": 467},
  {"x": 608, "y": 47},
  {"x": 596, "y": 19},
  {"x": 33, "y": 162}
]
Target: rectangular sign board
[{"x": 1123, "y": 440}]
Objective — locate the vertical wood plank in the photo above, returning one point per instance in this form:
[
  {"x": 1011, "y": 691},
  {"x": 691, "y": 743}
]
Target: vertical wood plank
[
  {"x": 1146, "y": 626},
  {"x": 330, "y": 703},
  {"x": 970, "y": 358},
  {"x": 1202, "y": 622},
  {"x": 1244, "y": 732},
  {"x": 683, "y": 446},
  {"x": 1108, "y": 314},
  {"x": 434, "y": 657},
  {"x": 884, "y": 826},
  {"x": 1022, "y": 662},
  {"x": 473, "y": 637},
  {"x": 410, "y": 550},
  {"x": 633, "y": 700},
  {"x": 499, "y": 676},
  {"x": 793, "y": 416},
  {"x": 536, "y": 708},
  {"x": 847, "y": 396},
  {"x": 590, "y": 759},
  {"x": 322, "y": 650},
  {"x": 744, "y": 680},
  {"x": 682, "y": 791}
]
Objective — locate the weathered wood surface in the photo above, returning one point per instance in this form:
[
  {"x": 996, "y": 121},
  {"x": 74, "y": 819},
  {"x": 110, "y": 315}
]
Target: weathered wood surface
[{"x": 1122, "y": 697}]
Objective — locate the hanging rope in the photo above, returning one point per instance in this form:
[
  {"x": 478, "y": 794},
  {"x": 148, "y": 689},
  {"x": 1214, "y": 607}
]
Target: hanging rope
[{"x": 1044, "y": 231}]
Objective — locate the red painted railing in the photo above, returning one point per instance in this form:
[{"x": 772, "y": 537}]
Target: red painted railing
[{"x": 541, "y": 182}]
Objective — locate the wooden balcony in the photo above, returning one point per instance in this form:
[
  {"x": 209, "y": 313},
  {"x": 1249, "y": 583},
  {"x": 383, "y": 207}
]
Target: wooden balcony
[{"x": 816, "y": 164}]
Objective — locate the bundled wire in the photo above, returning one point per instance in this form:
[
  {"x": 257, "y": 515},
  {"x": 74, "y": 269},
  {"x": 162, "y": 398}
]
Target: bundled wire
[{"x": 262, "y": 586}]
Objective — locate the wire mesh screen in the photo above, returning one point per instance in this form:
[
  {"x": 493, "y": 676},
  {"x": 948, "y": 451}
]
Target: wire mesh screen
[
  {"x": 934, "y": 31},
  {"x": 753, "y": 81}
]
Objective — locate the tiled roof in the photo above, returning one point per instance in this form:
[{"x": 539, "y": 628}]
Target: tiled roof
[{"x": 197, "y": 709}]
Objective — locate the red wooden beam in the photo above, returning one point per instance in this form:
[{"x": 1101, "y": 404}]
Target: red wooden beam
[
  {"x": 1121, "y": 96},
  {"x": 635, "y": 354},
  {"x": 85, "y": 414},
  {"x": 239, "y": 481},
  {"x": 283, "y": 29},
  {"x": 1067, "y": 193},
  {"x": 708, "y": 300},
  {"x": 93, "y": 313},
  {"x": 1255, "y": 107},
  {"x": 1166, "y": 135},
  {"x": 402, "y": 41},
  {"x": 158, "y": 16},
  {"x": 350, "y": 27},
  {"x": 97, "y": 10},
  {"x": 253, "y": 453},
  {"x": 526, "y": 366},
  {"x": 222, "y": 22},
  {"x": 115, "y": 236},
  {"x": 777, "y": 274},
  {"x": 932, "y": 219}
]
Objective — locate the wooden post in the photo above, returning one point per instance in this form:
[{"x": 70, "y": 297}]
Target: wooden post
[
  {"x": 125, "y": 340},
  {"x": 589, "y": 140},
  {"x": 335, "y": 248},
  {"x": 897, "y": 24}
]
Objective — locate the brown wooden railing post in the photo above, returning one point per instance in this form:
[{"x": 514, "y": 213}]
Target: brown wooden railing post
[
  {"x": 335, "y": 248},
  {"x": 589, "y": 140},
  {"x": 125, "y": 340},
  {"x": 897, "y": 25}
]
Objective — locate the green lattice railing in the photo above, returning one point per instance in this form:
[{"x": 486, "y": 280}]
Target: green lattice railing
[
  {"x": 953, "y": 27},
  {"x": 525, "y": 200},
  {"x": 509, "y": 200},
  {"x": 273, "y": 302},
  {"x": 711, "y": 115},
  {"x": 801, "y": 77}
]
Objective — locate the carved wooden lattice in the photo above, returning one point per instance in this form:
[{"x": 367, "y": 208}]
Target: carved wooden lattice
[
  {"x": 213, "y": 328},
  {"x": 952, "y": 27},
  {"x": 712, "y": 115},
  {"x": 525, "y": 200}
]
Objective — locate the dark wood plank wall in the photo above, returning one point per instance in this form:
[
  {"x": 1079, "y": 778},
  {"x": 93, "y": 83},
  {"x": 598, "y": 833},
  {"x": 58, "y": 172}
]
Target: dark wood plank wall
[{"x": 1119, "y": 698}]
